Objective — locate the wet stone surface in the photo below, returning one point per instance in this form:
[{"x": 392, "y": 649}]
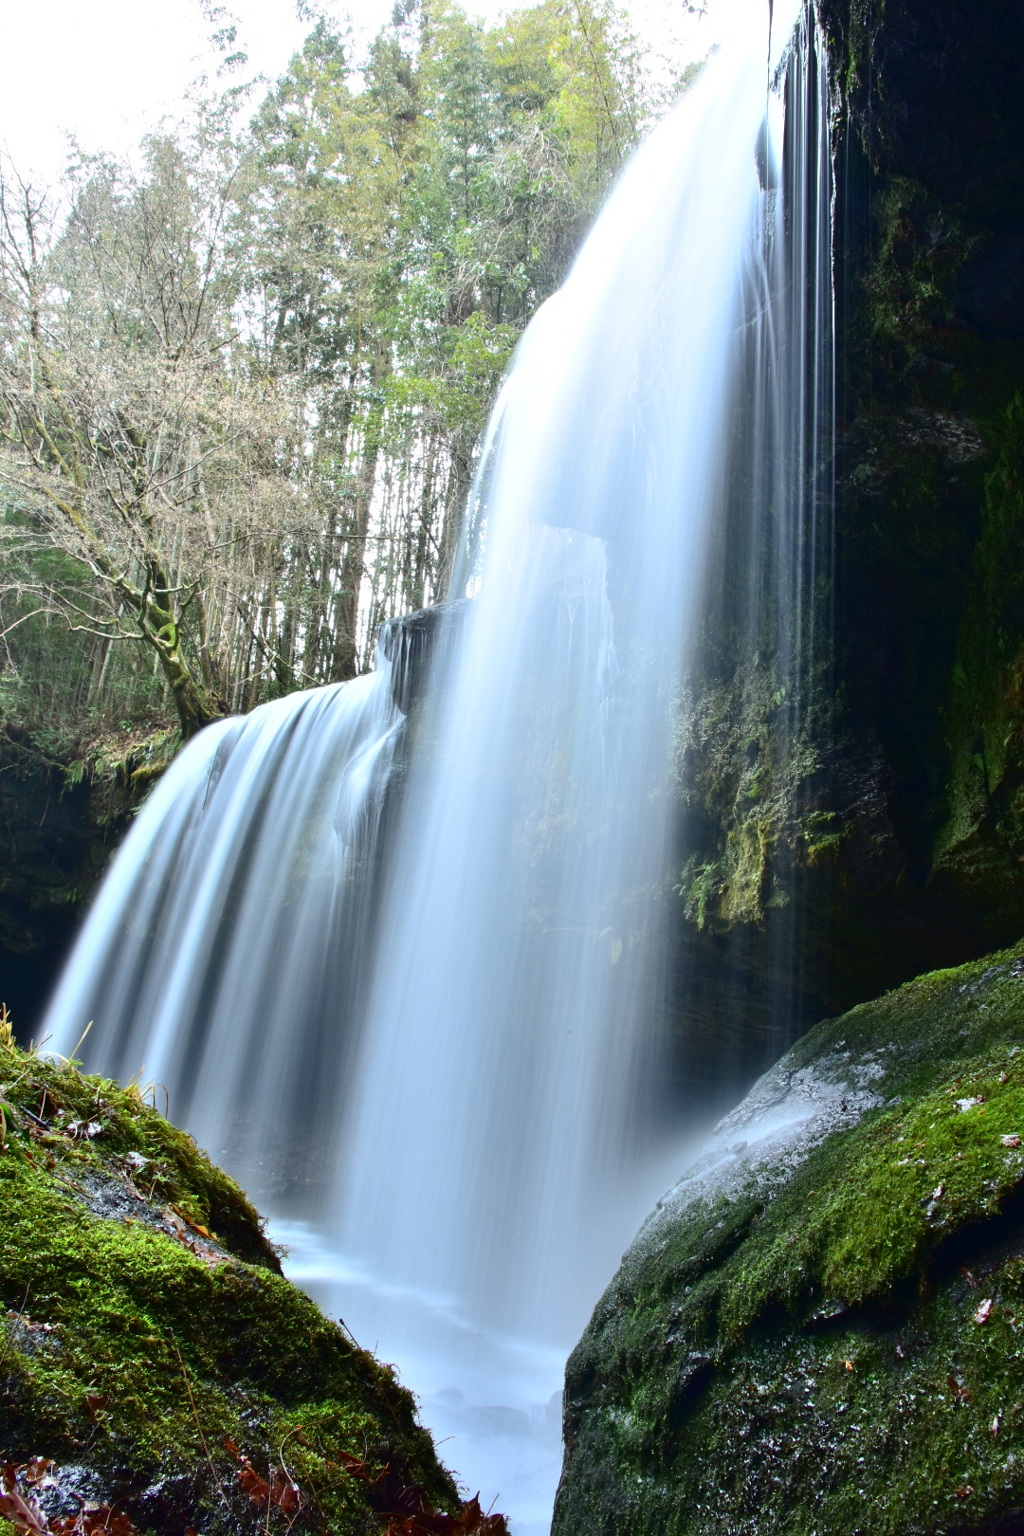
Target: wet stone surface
[{"x": 824, "y": 1319}]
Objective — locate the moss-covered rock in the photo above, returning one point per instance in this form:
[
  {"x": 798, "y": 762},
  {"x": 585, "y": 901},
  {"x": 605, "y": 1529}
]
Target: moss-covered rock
[
  {"x": 821, "y": 1329},
  {"x": 151, "y": 1347}
]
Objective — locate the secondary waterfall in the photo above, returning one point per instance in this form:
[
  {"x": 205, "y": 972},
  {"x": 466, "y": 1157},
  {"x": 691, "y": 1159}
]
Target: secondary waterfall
[
  {"x": 409, "y": 986},
  {"x": 246, "y": 884}
]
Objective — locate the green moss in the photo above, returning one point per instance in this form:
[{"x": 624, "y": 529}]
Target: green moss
[
  {"x": 745, "y": 771},
  {"x": 866, "y": 1211},
  {"x": 849, "y": 1329},
  {"x": 147, "y": 1321},
  {"x": 912, "y": 1430}
]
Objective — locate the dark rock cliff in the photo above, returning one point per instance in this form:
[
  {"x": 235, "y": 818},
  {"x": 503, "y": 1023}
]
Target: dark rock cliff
[
  {"x": 61, "y": 817},
  {"x": 889, "y": 837},
  {"x": 930, "y": 152}
]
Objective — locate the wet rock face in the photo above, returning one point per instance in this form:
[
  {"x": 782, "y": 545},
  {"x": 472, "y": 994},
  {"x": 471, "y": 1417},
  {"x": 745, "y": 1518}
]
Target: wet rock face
[
  {"x": 936, "y": 91},
  {"x": 930, "y": 518},
  {"x": 60, "y": 822},
  {"x": 51, "y": 854},
  {"x": 893, "y": 839},
  {"x": 416, "y": 643},
  {"x": 930, "y": 288},
  {"x": 819, "y": 1328}
]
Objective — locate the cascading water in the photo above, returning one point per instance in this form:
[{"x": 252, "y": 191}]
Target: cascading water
[
  {"x": 767, "y": 622},
  {"x": 457, "y": 996},
  {"x": 246, "y": 884}
]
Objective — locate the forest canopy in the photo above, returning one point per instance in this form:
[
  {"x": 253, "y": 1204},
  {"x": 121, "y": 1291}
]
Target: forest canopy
[{"x": 244, "y": 375}]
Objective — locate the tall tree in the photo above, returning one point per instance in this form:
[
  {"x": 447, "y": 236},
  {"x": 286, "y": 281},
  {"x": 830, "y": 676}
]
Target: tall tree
[
  {"x": 243, "y": 389},
  {"x": 133, "y": 445}
]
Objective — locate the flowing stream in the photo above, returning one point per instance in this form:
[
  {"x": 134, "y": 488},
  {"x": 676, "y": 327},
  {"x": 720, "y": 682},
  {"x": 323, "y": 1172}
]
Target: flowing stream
[{"x": 405, "y": 978}]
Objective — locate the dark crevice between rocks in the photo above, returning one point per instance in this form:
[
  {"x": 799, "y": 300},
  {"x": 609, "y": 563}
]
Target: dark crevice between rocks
[{"x": 1011, "y": 1524}]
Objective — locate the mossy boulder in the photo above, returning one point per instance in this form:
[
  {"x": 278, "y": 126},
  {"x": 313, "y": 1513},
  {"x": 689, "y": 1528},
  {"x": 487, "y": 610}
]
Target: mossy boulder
[
  {"x": 821, "y": 1328},
  {"x": 151, "y": 1347}
]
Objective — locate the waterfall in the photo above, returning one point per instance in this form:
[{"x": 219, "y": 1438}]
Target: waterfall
[
  {"x": 767, "y": 603},
  {"x": 508, "y": 1023},
  {"x": 409, "y": 980},
  {"x": 227, "y": 949}
]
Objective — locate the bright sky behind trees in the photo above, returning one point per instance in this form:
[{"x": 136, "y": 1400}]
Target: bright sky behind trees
[
  {"x": 246, "y": 357},
  {"x": 250, "y": 342},
  {"x": 106, "y": 70}
]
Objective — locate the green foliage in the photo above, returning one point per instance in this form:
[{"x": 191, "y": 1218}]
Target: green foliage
[
  {"x": 857, "y": 1236},
  {"x": 303, "y": 327}
]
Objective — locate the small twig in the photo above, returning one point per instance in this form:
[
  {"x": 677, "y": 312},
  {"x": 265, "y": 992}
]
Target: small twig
[
  {"x": 20, "y": 1313},
  {"x": 295, "y": 1429},
  {"x": 199, "y": 1427},
  {"x": 81, "y": 1041},
  {"x": 351, "y": 1335}
]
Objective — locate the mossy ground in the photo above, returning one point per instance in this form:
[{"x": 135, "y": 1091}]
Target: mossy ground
[
  {"x": 844, "y": 1351},
  {"x": 147, "y": 1321}
]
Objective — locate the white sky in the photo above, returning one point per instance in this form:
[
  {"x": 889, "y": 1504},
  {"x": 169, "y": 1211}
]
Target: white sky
[{"x": 105, "y": 70}]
